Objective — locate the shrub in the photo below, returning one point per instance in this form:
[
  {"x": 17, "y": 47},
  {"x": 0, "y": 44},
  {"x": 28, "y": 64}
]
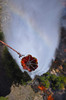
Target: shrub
[
  {"x": 43, "y": 78},
  {"x": 46, "y": 83},
  {"x": 3, "y": 98},
  {"x": 58, "y": 82},
  {"x": 53, "y": 81},
  {"x": 53, "y": 77},
  {"x": 61, "y": 86},
  {"x": 64, "y": 80}
]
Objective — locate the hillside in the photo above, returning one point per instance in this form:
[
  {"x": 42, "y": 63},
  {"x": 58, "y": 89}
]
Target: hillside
[{"x": 13, "y": 83}]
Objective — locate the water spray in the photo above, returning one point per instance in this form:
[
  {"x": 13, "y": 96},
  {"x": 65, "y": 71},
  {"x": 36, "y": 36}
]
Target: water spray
[{"x": 32, "y": 27}]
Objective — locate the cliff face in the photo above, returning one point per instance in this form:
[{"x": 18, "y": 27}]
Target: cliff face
[{"x": 61, "y": 52}]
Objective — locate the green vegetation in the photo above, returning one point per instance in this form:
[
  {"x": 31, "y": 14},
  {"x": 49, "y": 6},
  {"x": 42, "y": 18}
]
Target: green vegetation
[
  {"x": 53, "y": 81},
  {"x": 45, "y": 81},
  {"x": 12, "y": 69},
  {"x": 1, "y": 35},
  {"x": 3, "y": 98}
]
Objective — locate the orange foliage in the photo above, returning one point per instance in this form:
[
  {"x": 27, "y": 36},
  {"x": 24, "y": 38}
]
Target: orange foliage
[
  {"x": 50, "y": 98},
  {"x": 42, "y": 88}
]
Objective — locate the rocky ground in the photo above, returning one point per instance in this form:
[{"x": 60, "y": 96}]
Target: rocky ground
[{"x": 23, "y": 93}]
